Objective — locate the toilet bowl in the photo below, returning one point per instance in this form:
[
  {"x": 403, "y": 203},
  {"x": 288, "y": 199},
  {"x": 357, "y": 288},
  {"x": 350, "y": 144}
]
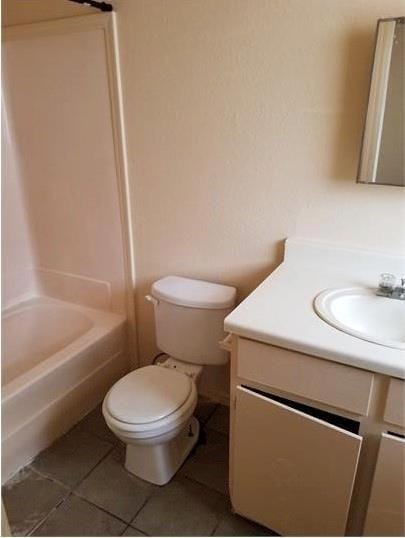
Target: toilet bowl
[{"x": 151, "y": 408}]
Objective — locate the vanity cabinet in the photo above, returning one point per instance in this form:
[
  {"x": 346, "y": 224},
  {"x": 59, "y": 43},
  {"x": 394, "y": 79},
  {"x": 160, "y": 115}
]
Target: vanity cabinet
[{"x": 305, "y": 440}]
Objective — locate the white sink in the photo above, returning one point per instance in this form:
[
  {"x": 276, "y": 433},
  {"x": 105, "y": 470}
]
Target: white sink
[{"x": 363, "y": 314}]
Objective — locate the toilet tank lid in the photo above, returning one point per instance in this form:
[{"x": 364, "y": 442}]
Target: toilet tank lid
[{"x": 194, "y": 293}]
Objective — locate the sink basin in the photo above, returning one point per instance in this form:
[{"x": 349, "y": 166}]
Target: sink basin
[{"x": 363, "y": 314}]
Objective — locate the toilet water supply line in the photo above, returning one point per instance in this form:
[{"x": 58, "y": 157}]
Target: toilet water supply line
[{"x": 155, "y": 358}]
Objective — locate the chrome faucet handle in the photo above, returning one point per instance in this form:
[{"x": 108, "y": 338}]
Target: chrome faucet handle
[
  {"x": 387, "y": 281},
  {"x": 387, "y": 287}
]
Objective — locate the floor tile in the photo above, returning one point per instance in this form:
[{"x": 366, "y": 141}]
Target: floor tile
[
  {"x": 71, "y": 457},
  {"x": 209, "y": 462},
  {"x": 234, "y": 525},
  {"x": 112, "y": 487},
  {"x": 94, "y": 423},
  {"x": 181, "y": 508},
  {"x": 130, "y": 531},
  {"x": 76, "y": 517},
  {"x": 28, "y": 498},
  {"x": 219, "y": 421},
  {"x": 204, "y": 409}
]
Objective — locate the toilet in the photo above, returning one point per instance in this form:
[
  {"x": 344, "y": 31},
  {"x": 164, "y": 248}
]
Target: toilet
[{"x": 151, "y": 408}]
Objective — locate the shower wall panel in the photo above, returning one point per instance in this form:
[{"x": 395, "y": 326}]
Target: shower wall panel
[
  {"x": 58, "y": 100},
  {"x": 18, "y": 278}
]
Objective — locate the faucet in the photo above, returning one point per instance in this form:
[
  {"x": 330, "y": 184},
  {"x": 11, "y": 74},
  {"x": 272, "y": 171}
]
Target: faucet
[{"x": 387, "y": 287}]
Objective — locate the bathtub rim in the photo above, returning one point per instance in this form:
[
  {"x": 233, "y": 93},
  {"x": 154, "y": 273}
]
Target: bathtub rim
[{"x": 103, "y": 323}]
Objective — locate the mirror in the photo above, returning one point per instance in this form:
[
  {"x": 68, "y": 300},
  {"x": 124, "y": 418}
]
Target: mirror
[{"x": 382, "y": 158}]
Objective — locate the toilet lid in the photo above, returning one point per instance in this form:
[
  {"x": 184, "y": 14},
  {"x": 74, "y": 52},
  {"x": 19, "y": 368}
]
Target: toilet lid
[{"x": 148, "y": 394}]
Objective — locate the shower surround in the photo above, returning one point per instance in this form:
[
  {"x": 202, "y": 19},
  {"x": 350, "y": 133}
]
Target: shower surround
[{"x": 67, "y": 294}]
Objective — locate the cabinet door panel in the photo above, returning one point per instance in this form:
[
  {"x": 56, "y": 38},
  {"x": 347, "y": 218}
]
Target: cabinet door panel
[
  {"x": 290, "y": 472},
  {"x": 385, "y": 514}
]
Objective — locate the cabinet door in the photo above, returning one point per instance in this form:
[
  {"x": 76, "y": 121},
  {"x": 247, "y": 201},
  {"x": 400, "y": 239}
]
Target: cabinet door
[
  {"x": 290, "y": 471},
  {"x": 385, "y": 514}
]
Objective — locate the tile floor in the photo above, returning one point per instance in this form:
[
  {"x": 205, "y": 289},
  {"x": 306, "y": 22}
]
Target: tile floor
[{"x": 79, "y": 487}]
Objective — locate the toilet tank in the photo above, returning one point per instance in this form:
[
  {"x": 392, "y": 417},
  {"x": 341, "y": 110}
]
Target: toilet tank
[{"x": 189, "y": 318}]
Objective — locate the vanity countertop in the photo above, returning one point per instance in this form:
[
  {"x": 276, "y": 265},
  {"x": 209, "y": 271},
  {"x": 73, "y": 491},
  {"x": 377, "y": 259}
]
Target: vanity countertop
[{"x": 280, "y": 310}]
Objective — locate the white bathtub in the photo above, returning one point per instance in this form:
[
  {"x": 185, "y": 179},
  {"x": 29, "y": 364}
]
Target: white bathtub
[{"x": 58, "y": 361}]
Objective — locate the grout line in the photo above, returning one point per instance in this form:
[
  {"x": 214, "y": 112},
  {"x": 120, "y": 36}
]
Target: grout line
[
  {"x": 126, "y": 528},
  {"x": 68, "y": 486},
  {"x": 140, "y": 509},
  {"x": 92, "y": 469},
  {"x": 138, "y": 530},
  {"x": 134, "y": 528},
  {"x": 114, "y": 515},
  {"x": 44, "y": 519},
  {"x": 100, "y": 508},
  {"x": 47, "y": 477}
]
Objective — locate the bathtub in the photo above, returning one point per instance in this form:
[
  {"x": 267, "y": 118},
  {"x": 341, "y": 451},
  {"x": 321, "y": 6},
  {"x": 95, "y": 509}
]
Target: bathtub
[{"x": 58, "y": 361}]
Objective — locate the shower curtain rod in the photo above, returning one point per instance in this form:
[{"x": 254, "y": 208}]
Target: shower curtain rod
[{"x": 103, "y": 6}]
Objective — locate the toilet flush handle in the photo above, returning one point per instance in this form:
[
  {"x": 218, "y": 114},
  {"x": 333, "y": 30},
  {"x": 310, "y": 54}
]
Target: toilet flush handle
[{"x": 152, "y": 300}]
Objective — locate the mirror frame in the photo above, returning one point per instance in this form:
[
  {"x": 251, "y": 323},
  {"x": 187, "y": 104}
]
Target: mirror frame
[{"x": 373, "y": 126}]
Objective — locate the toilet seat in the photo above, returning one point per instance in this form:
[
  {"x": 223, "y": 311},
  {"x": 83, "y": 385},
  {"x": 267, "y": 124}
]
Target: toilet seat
[
  {"x": 148, "y": 394},
  {"x": 150, "y": 401}
]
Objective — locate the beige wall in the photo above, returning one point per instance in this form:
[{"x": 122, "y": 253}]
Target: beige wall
[{"x": 244, "y": 121}]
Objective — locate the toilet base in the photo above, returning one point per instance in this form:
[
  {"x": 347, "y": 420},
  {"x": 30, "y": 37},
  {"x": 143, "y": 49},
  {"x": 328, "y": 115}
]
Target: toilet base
[{"x": 159, "y": 463}]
